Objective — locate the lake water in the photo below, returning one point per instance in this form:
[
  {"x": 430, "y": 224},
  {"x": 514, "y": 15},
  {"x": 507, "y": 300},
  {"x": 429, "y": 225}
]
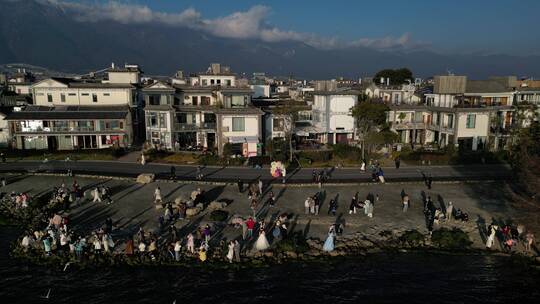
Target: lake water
[{"x": 379, "y": 278}]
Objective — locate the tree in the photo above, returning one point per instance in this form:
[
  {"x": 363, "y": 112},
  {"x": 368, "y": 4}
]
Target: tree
[
  {"x": 368, "y": 115},
  {"x": 288, "y": 111},
  {"x": 397, "y": 77}
]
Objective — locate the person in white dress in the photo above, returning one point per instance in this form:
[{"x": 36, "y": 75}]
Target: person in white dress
[
  {"x": 143, "y": 160},
  {"x": 262, "y": 242},
  {"x": 97, "y": 195},
  {"x": 157, "y": 195},
  {"x": 491, "y": 237},
  {"x": 230, "y": 253}
]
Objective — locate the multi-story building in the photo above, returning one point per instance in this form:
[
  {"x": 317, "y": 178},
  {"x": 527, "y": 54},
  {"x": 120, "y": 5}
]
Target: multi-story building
[
  {"x": 70, "y": 114},
  {"x": 204, "y": 115},
  {"x": 331, "y": 113},
  {"x": 473, "y": 114}
]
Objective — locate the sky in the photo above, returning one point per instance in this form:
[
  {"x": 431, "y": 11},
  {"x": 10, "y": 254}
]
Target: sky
[{"x": 446, "y": 26}]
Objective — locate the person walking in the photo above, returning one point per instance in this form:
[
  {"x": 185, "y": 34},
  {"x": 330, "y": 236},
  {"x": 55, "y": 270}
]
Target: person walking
[
  {"x": 352, "y": 206},
  {"x": 397, "y": 162},
  {"x": 173, "y": 172},
  {"x": 363, "y": 166},
  {"x": 271, "y": 199},
  {"x": 529, "y": 240},
  {"x": 177, "y": 248},
  {"x": 317, "y": 202}
]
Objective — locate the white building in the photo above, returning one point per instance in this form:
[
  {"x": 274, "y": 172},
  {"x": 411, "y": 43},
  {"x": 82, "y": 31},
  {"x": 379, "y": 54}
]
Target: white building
[
  {"x": 72, "y": 114},
  {"x": 471, "y": 114},
  {"x": 332, "y": 117}
]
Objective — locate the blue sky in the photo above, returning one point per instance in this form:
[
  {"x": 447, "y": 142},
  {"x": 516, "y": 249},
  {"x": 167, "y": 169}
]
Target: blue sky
[{"x": 457, "y": 26}]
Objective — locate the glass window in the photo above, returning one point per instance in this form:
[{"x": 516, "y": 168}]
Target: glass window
[
  {"x": 194, "y": 100},
  {"x": 106, "y": 94},
  {"x": 94, "y": 97},
  {"x": 228, "y": 82},
  {"x": 181, "y": 117},
  {"x": 62, "y": 97},
  {"x": 471, "y": 121},
  {"x": 72, "y": 94},
  {"x": 205, "y": 101},
  {"x": 278, "y": 124},
  {"x": 238, "y": 101},
  {"x": 49, "y": 97},
  {"x": 238, "y": 124}
]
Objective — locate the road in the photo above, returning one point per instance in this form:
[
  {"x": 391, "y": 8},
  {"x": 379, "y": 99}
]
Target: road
[{"x": 231, "y": 174}]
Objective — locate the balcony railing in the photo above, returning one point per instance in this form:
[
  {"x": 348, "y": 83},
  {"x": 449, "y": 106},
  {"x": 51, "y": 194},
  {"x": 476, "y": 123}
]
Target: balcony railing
[
  {"x": 20, "y": 129},
  {"x": 408, "y": 125},
  {"x": 194, "y": 126}
]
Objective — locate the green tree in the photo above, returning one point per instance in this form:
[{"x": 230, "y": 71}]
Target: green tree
[
  {"x": 369, "y": 115},
  {"x": 397, "y": 77},
  {"x": 288, "y": 111}
]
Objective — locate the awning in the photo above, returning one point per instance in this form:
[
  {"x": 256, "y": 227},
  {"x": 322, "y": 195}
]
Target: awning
[{"x": 243, "y": 139}]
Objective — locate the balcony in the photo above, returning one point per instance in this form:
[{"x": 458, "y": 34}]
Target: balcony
[
  {"x": 56, "y": 129},
  {"x": 194, "y": 126},
  {"x": 408, "y": 125},
  {"x": 442, "y": 128}
]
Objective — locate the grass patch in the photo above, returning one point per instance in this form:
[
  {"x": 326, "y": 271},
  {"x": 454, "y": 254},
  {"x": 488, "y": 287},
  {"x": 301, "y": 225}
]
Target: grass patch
[{"x": 105, "y": 154}]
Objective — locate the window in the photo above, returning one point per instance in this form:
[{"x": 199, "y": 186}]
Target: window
[
  {"x": 471, "y": 121},
  {"x": 154, "y": 99},
  {"x": 49, "y": 97},
  {"x": 238, "y": 124},
  {"x": 62, "y": 97},
  {"x": 194, "y": 100},
  {"x": 205, "y": 101},
  {"x": 212, "y": 81},
  {"x": 40, "y": 94},
  {"x": 106, "y": 94},
  {"x": 218, "y": 81},
  {"x": 72, "y": 94},
  {"x": 204, "y": 82},
  {"x": 450, "y": 121},
  {"x": 85, "y": 94},
  {"x": 238, "y": 101},
  {"x": 278, "y": 124},
  {"x": 94, "y": 97},
  {"x": 181, "y": 117},
  {"x": 228, "y": 82}
]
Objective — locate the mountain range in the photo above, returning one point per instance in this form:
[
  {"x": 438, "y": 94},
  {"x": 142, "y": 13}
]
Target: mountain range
[{"x": 45, "y": 35}]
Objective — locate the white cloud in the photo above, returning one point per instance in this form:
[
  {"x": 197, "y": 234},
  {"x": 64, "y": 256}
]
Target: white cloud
[{"x": 250, "y": 24}]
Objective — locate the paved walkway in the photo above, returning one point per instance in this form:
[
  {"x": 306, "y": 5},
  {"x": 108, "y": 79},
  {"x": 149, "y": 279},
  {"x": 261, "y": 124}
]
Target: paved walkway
[
  {"x": 231, "y": 174},
  {"x": 133, "y": 205}
]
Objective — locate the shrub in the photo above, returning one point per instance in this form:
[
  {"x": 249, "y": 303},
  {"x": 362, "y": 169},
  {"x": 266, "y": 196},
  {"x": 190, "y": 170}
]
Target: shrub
[
  {"x": 295, "y": 242},
  {"x": 412, "y": 238},
  {"x": 316, "y": 156},
  {"x": 345, "y": 151},
  {"x": 209, "y": 160},
  {"x": 118, "y": 152},
  {"x": 219, "y": 215},
  {"x": 451, "y": 239}
]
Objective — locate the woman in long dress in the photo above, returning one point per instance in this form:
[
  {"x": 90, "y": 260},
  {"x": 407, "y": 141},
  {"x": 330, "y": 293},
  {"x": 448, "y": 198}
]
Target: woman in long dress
[
  {"x": 262, "y": 242},
  {"x": 491, "y": 238},
  {"x": 329, "y": 243},
  {"x": 230, "y": 253}
]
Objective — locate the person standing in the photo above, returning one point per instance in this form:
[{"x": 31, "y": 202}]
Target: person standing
[
  {"x": 306, "y": 205},
  {"x": 237, "y": 251},
  {"x": 230, "y": 253},
  {"x": 329, "y": 243},
  {"x": 271, "y": 199},
  {"x": 190, "y": 243},
  {"x": 449, "y": 211},
  {"x": 332, "y": 207},
  {"x": 262, "y": 243},
  {"x": 157, "y": 195},
  {"x": 250, "y": 223},
  {"x": 529, "y": 240},
  {"x": 363, "y": 166},
  {"x": 261, "y": 187},
  {"x": 97, "y": 195},
  {"x": 240, "y": 185},
  {"x": 352, "y": 206},
  {"x": 317, "y": 203},
  {"x": 177, "y": 248},
  {"x": 491, "y": 238},
  {"x": 143, "y": 159},
  {"x": 397, "y": 162},
  {"x": 405, "y": 201}
]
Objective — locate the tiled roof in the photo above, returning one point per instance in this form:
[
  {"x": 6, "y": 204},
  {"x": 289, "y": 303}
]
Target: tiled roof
[{"x": 485, "y": 86}]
